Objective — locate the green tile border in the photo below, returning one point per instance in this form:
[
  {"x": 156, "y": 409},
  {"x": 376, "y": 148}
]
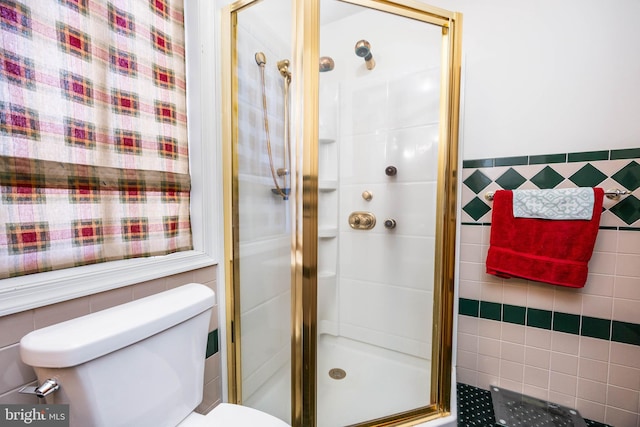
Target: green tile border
[
  {"x": 469, "y": 307},
  {"x": 539, "y": 318},
  {"x": 490, "y": 310},
  {"x": 596, "y": 328},
  {"x": 479, "y": 163},
  {"x": 628, "y": 333},
  {"x": 547, "y": 158},
  {"x": 511, "y": 161},
  {"x": 212, "y": 343},
  {"x": 585, "y": 156},
  {"x": 629, "y": 153},
  {"x": 514, "y": 314},
  {"x": 574, "y": 324},
  {"x": 588, "y": 156},
  {"x": 565, "y": 322}
]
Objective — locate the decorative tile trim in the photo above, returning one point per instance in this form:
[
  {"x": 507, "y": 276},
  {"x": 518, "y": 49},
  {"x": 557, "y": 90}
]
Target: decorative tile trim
[
  {"x": 585, "y": 156},
  {"x": 606, "y": 168},
  {"x": 212, "y": 343},
  {"x": 575, "y": 324}
]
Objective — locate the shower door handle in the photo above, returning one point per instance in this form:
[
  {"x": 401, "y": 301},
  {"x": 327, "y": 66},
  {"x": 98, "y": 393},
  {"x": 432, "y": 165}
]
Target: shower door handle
[{"x": 362, "y": 220}]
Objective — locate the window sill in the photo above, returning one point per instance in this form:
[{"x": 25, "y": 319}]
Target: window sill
[{"x": 36, "y": 290}]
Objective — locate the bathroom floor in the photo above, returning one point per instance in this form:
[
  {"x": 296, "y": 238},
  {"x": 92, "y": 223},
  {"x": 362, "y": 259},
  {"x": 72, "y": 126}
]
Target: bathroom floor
[{"x": 475, "y": 408}]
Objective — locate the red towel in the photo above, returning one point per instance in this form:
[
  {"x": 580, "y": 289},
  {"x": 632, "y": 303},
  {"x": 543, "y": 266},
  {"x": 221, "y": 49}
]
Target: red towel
[{"x": 550, "y": 251}]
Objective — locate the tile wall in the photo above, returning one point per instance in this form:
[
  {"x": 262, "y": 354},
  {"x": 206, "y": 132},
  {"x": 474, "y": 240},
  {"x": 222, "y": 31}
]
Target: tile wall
[
  {"x": 13, "y": 327},
  {"x": 576, "y": 347}
]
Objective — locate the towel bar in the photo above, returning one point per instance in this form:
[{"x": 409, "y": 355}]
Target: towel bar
[{"x": 613, "y": 194}]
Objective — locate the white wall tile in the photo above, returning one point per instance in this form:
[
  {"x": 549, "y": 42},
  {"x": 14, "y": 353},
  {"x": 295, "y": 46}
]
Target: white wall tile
[
  {"x": 625, "y": 355},
  {"x": 618, "y": 417},
  {"x": 15, "y": 326},
  {"x": 593, "y": 391},
  {"x": 625, "y": 377},
  {"x": 512, "y": 352},
  {"x": 564, "y": 363},
  {"x": 489, "y": 347},
  {"x": 597, "y": 306},
  {"x": 623, "y": 398},
  {"x": 590, "y": 410},
  {"x": 536, "y": 377},
  {"x": 565, "y": 343},
  {"x": 628, "y": 265},
  {"x": 562, "y": 383},
  {"x": 627, "y": 288},
  {"x": 594, "y": 370},
  {"x": 14, "y": 373},
  {"x": 625, "y": 310}
]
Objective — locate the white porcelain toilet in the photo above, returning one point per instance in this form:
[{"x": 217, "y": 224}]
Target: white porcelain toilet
[{"x": 137, "y": 364}]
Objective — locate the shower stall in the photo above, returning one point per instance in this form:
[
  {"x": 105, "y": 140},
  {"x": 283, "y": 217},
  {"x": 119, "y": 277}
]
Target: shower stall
[{"x": 340, "y": 146}]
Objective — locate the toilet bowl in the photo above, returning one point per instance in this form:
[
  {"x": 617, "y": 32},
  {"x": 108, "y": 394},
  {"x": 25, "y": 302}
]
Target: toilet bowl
[{"x": 137, "y": 364}]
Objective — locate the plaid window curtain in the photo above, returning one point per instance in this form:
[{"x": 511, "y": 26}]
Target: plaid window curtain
[{"x": 93, "y": 132}]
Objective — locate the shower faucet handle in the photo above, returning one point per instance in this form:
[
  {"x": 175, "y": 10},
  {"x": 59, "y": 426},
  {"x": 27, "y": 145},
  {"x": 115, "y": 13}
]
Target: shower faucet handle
[{"x": 362, "y": 220}]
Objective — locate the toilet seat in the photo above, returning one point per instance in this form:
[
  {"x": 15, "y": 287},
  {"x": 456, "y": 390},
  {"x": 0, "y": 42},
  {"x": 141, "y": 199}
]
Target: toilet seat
[{"x": 230, "y": 415}]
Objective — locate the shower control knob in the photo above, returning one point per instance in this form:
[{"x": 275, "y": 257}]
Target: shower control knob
[
  {"x": 389, "y": 223},
  {"x": 391, "y": 171}
]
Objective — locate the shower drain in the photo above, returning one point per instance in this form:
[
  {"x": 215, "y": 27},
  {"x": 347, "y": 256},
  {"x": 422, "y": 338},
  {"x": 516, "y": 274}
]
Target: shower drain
[{"x": 337, "y": 373}]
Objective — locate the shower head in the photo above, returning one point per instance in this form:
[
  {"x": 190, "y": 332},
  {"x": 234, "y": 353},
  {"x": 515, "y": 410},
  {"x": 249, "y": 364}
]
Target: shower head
[
  {"x": 363, "y": 50},
  {"x": 326, "y": 64},
  {"x": 260, "y": 59}
]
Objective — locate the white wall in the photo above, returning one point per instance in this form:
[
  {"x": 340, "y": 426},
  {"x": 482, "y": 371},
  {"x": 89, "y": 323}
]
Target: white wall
[{"x": 543, "y": 77}]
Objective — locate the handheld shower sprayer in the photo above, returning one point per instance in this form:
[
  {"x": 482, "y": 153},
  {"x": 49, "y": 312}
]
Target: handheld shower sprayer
[
  {"x": 283, "y": 67},
  {"x": 261, "y": 60},
  {"x": 363, "y": 50}
]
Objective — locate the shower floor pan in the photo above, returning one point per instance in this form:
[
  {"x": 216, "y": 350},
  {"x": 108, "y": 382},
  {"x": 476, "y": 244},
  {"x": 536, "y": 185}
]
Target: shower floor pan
[
  {"x": 378, "y": 382},
  {"x": 513, "y": 409}
]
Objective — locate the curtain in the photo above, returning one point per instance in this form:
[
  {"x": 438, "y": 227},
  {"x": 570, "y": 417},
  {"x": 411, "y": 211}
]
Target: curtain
[{"x": 94, "y": 159}]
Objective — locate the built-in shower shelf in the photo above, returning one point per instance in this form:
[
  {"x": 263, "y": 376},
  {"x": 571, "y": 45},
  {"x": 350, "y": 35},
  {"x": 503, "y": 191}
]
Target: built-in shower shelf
[
  {"x": 327, "y": 232},
  {"x": 327, "y": 185},
  {"x": 326, "y": 140},
  {"x": 326, "y": 276}
]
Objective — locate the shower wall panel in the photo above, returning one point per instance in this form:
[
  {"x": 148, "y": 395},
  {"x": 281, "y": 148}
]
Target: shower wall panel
[{"x": 386, "y": 116}]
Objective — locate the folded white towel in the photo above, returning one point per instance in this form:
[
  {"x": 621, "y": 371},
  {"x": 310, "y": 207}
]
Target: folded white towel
[{"x": 562, "y": 203}]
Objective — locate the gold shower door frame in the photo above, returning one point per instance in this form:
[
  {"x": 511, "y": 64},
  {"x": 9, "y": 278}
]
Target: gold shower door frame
[{"x": 304, "y": 196}]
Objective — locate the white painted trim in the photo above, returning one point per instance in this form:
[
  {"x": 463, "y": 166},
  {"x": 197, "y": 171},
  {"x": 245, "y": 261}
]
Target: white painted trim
[{"x": 36, "y": 290}]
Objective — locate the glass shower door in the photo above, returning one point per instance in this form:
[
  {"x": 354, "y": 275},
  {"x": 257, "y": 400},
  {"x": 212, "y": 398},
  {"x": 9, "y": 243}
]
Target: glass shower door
[
  {"x": 339, "y": 208},
  {"x": 262, "y": 209},
  {"x": 378, "y": 169}
]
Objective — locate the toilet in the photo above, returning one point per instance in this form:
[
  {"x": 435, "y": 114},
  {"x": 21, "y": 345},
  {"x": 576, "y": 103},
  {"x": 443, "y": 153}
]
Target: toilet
[{"x": 137, "y": 364}]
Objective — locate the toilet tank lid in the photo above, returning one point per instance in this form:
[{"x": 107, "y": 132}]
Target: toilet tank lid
[{"x": 85, "y": 338}]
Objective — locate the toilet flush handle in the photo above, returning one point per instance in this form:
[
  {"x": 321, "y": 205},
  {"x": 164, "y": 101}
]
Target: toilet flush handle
[{"x": 45, "y": 389}]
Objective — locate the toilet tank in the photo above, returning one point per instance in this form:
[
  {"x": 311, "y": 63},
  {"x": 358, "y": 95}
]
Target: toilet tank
[{"x": 137, "y": 364}]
